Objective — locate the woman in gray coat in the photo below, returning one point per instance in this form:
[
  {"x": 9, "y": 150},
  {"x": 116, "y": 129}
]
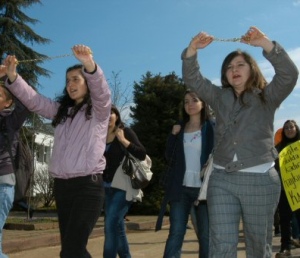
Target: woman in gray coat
[{"x": 244, "y": 183}]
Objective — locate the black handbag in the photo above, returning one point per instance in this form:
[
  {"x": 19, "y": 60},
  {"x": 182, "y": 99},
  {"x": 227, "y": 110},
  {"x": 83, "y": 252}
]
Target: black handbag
[{"x": 139, "y": 171}]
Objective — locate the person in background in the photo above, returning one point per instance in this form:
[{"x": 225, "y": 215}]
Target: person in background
[
  {"x": 13, "y": 114},
  {"x": 290, "y": 134},
  {"x": 194, "y": 140},
  {"x": 295, "y": 231},
  {"x": 120, "y": 139},
  {"x": 244, "y": 183},
  {"x": 277, "y": 139},
  {"x": 80, "y": 117},
  {"x": 276, "y": 223}
]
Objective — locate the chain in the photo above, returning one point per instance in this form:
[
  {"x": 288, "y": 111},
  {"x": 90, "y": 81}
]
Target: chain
[
  {"x": 231, "y": 39},
  {"x": 228, "y": 40},
  {"x": 67, "y": 55},
  {"x": 43, "y": 58}
]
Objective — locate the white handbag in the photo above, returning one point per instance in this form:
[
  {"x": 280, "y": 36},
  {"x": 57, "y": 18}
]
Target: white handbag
[{"x": 206, "y": 172}]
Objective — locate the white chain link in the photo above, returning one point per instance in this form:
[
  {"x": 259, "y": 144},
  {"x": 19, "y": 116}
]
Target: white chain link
[
  {"x": 228, "y": 40},
  {"x": 43, "y": 58}
]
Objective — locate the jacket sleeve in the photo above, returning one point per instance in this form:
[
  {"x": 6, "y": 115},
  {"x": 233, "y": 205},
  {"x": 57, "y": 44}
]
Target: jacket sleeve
[
  {"x": 100, "y": 93},
  {"x": 172, "y": 142},
  {"x": 18, "y": 116},
  {"x": 34, "y": 101},
  {"x": 194, "y": 79},
  {"x": 170, "y": 146},
  {"x": 279, "y": 148},
  {"x": 135, "y": 147},
  {"x": 286, "y": 75}
]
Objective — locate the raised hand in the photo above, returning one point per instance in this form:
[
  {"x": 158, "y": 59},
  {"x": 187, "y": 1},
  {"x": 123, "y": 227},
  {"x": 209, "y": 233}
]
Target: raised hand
[
  {"x": 176, "y": 129},
  {"x": 120, "y": 134},
  {"x": 257, "y": 38},
  {"x": 11, "y": 63},
  {"x": 201, "y": 40},
  {"x": 85, "y": 56}
]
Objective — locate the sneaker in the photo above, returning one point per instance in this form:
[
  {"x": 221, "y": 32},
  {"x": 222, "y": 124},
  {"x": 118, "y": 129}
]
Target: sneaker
[
  {"x": 283, "y": 253},
  {"x": 296, "y": 243}
]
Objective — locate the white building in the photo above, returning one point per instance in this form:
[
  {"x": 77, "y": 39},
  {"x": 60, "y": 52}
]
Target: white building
[
  {"x": 44, "y": 139},
  {"x": 43, "y": 145}
]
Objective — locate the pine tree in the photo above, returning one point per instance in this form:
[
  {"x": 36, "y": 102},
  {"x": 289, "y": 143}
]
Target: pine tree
[
  {"x": 16, "y": 35},
  {"x": 16, "y": 38},
  {"x": 157, "y": 107}
]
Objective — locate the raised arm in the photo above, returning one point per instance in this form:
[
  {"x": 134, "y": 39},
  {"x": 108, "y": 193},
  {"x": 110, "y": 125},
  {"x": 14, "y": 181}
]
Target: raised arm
[
  {"x": 200, "y": 41},
  {"x": 257, "y": 38},
  {"x": 25, "y": 93},
  {"x": 99, "y": 89}
]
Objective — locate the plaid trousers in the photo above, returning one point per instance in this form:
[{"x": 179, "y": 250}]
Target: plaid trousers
[{"x": 252, "y": 197}]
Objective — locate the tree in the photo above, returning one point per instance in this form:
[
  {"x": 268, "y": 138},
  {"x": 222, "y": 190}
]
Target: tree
[
  {"x": 16, "y": 37},
  {"x": 42, "y": 149},
  {"x": 43, "y": 185},
  {"x": 157, "y": 107},
  {"x": 15, "y": 34},
  {"x": 120, "y": 96}
]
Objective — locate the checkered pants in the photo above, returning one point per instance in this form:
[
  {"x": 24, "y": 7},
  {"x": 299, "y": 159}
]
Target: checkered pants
[{"x": 252, "y": 197}]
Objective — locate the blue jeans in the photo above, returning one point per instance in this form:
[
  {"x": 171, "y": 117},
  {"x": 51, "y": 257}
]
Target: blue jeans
[
  {"x": 115, "y": 207},
  {"x": 6, "y": 202},
  {"x": 179, "y": 215}
]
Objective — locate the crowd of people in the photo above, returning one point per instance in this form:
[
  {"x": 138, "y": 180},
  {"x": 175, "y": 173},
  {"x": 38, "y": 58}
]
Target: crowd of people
[{"x": 91, "y": 140}]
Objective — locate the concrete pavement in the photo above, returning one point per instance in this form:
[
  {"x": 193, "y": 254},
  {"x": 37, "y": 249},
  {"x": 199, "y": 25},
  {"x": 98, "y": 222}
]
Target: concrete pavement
[{"x": 144, "y": 241}]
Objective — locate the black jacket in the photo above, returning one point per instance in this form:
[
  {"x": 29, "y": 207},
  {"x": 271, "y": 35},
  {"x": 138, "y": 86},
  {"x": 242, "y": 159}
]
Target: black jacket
[
  {"x": 115, "y": 152},
  {"x": 13, "y": 122},
  {"x": 174, "y": 186}
]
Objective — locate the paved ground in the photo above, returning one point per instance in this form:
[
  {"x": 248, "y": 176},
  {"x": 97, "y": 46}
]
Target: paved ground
[{"x": 144, "y": 242}]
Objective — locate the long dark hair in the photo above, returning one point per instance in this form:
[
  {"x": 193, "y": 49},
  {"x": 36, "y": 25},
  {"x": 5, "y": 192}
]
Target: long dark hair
[
  {"x": 66, "y": 102},
  {"x": 119, "y": 122},
  {"x": 204, "y": 113},
  {"x": 284, "y": 139},
  {"x": 256, "y": 79}
]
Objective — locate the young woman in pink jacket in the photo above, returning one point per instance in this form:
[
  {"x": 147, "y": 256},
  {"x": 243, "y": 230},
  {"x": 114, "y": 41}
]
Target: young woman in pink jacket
[{"x": 80, "y": 117}]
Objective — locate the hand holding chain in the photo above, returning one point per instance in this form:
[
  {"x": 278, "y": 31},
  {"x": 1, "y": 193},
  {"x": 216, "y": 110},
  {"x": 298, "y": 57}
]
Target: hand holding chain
[{"x": 67, "y": 55}]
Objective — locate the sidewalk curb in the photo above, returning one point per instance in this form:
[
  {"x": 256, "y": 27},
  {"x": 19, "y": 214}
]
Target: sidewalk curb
[
  {"x": 20, "y": 240},
  {"x": 18, "y": 245}
]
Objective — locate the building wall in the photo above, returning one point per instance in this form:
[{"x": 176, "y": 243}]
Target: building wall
[{"x": 44, "y": 145}]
